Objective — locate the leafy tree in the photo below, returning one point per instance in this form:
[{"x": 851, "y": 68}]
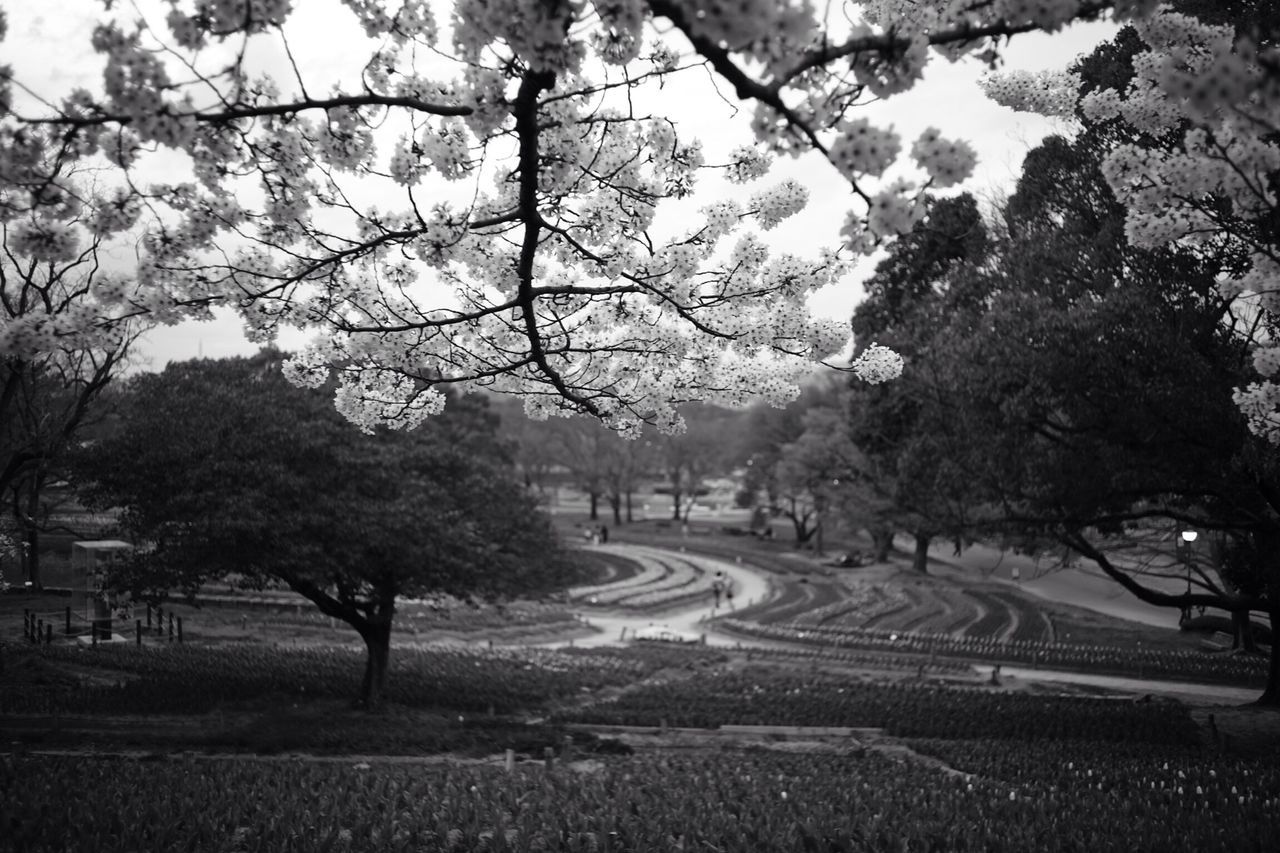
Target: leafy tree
[
  {"x": 691, "y": 457},
  {"x": 815, "y": 472},
  {"x": 1196, "y": 158},
  {"x": 905, "y": 429},
  {"x": 228, "y": 471},
  {"x": 763, "y": 436},
  {"x": 1097, "y": 392}
]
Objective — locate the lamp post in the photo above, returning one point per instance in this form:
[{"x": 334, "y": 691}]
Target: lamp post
[{"x": 1188, "y": 536}]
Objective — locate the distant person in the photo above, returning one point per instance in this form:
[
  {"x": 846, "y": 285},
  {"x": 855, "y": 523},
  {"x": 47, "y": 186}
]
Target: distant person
[
  {"x": 604, "y": 534},
  {"x": 717, "y": 587},
  {"x": 728, "y": 595}
]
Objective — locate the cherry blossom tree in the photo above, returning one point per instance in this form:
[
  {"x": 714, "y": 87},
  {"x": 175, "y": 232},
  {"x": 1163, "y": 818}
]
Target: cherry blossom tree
[
  {"x": 59, "y": 221},
  {"x": 1202, "y": 111},
  {"x": 488, "y": 204}
]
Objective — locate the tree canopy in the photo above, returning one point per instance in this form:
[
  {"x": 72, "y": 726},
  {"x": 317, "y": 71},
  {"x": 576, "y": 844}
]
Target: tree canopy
[
  {"x": 225, "y": 470},
  {"x": 486, "y": 200}
]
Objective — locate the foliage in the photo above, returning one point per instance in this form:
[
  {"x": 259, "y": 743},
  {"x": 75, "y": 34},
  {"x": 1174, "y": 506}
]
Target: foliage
[
  {"x": 912, "y": 456},
  {"x": 231, "y": 472},
  {"x": 732, "y": 801},
  {"x": 1197, "y": 155}
]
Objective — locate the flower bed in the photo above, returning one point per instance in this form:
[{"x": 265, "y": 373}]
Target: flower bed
[
  {"x": 1140, "y": 662},
  {"x": 742, "y": 802},
  {"x": 909, "y": 710}
]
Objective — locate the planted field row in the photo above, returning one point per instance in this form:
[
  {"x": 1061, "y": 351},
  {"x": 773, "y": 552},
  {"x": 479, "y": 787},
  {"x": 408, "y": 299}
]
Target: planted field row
[
  {"x": 663, "y": 580},
  {"x": 908, "y": 710},
  {"x": 994, "y": 619},
  {"x": 1140, "y": 662},
  {"x": 731, "y": 802},
  {"x": 893, "y": 607},
  {"x": 1079, "y": 766},
  {"x": 195, "y": 679},
  {"x": 651, "y": 571},
  {"x": 796, "y": 599}
]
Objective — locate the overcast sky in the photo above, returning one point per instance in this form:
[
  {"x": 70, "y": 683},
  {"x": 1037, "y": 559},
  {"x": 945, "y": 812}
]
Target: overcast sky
[{"x": 48, "y": 46}]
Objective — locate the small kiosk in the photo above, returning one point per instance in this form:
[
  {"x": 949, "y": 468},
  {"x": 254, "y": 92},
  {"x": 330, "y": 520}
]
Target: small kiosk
[{"x": 93, "y": 561}]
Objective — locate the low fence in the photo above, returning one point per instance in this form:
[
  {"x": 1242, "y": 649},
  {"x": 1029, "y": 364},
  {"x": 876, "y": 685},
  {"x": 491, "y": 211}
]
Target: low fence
[{"x": 39, "y": 626}]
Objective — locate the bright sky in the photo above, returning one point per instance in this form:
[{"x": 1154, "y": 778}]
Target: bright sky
[{"x": 48, "y": 46}]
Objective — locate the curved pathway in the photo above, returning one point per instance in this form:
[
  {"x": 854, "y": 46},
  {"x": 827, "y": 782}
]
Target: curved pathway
[{"x": 749, "y": 586}]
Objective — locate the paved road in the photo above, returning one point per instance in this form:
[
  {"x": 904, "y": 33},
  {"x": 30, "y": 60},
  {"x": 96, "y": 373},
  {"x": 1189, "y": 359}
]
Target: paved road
[{"x": 748, "y": 586}]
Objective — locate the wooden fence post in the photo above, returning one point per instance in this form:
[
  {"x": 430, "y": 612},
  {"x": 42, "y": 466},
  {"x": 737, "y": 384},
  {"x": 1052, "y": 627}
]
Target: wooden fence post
[{"x": 39, "y": 631}]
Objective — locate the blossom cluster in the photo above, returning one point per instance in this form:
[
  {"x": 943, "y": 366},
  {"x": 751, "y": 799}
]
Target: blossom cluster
[
  {"x": 948, "y": 162},
  {"x": 519, "y": 241},
  {"x": 877, "y": 364}
]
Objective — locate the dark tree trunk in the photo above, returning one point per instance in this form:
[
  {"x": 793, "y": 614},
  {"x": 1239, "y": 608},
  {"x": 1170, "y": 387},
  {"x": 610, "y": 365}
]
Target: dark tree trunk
[
  {"x": 1242, "y": 632},
  {"x": 377, "y": 640},
  {"x": 615, "y": 504},
  {"x": 595, "y": 506},
  {"x": 675, "y": 506},
  {"x": 920, "y": 560},
  {"x": 802, "y": 529},
  {"x": 1271, "y": 695},
  {"x": 881, "y": 542},
  {"x": 630, "y": 518}
]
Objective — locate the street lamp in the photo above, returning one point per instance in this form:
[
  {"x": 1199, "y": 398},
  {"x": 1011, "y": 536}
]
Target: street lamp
[{"x": 1188, "y": 536}]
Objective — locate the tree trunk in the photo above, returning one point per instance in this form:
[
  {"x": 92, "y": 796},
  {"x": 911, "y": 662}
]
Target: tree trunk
[
  {"x": 595, "y": 506},
  {"x": 881, "y": 542},
  {"x": 1242, "y": 631},
  {"x": 377, "y": 640},
  {"x": 675, "y": 506},
  {"x": 802, "y": 529},
  {"x": 1271, "y": 695},
  {"x": 920, "y": 560},
  {"x": 630, "y": 518},
  {"x": 615, "y": 504}
]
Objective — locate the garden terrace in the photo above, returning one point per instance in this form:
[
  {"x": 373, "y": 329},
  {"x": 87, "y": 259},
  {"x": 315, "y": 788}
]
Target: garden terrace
[
  {"x": 664, "y": 580},
  {"x": 1140, "y": 662},
  {"x": 768, "y": 697},
  {"x": 995, "y": 619}
]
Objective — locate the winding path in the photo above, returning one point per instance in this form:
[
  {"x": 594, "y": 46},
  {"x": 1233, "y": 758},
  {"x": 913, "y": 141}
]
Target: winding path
[{"x": 749, "y": 586}]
